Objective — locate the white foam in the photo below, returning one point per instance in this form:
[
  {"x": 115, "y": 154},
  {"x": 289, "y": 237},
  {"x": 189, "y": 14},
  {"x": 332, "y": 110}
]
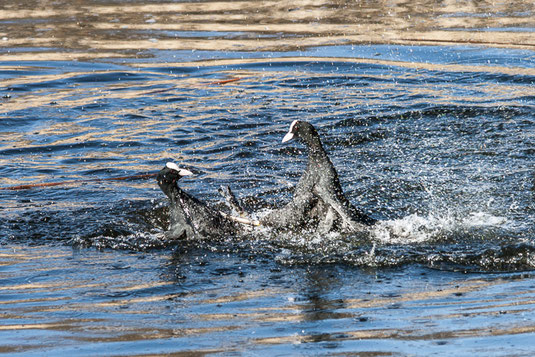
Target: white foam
[
  {"x": 419, "y": 229},
  {"x": 483, "y": 219}
]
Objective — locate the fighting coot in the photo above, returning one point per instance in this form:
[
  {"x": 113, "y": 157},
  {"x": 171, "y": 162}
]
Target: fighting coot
[
  {"x": 318, "y": 196},
  {"x": 188, "y": 215}
]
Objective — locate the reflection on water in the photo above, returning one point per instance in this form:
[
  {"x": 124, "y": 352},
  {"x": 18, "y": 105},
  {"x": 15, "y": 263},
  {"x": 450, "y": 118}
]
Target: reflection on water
[
  {"x": 424, "y": 145},
  {"x": 34, "y": 30},
  {"x": 123, "y": 304},
  {"x": 431, "y": 134}
]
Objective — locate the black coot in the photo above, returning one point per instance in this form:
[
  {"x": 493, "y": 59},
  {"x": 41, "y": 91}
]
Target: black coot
[
  {"x": 318, "y": 196},
  {"x": 188, "y": 215}
]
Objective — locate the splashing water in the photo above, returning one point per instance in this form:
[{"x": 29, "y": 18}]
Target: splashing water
[{"x": 414, "y": 229}]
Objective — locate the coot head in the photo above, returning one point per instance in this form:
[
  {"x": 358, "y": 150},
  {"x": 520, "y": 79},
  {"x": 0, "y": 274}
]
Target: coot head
[
  {"x": 303, "y": 131},
  {"x": 169, "y": 175}
]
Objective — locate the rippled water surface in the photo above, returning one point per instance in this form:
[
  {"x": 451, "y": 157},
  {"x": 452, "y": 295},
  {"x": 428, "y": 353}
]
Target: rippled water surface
[{"x": 426, "y": 110}]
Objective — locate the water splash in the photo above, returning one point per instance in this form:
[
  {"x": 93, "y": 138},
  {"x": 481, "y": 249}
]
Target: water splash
[{"x": 415, "y": 228}]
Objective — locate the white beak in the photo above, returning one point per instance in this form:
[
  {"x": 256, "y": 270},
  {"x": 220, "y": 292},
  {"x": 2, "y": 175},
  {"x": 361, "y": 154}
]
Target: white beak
[
  {"x": 289, "y": 136},
  {"x": 181, "y": 172},
  {"x": 184, "y": 172}
]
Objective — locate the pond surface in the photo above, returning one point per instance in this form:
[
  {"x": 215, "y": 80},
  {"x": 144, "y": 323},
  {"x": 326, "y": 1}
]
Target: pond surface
[{"x": 426, "y": 109}]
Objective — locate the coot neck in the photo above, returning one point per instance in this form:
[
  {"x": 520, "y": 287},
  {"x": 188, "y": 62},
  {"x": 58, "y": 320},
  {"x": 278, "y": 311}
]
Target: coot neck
[
  {"x": 315, "y": 148},
  {"x": 174, "y": 192}
]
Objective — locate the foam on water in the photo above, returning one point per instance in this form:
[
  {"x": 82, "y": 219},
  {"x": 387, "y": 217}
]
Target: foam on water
[{"x": 416, "y": 228}]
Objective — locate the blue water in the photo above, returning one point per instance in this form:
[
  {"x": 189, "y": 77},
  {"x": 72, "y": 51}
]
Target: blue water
[{"x": 436, "y": 142}]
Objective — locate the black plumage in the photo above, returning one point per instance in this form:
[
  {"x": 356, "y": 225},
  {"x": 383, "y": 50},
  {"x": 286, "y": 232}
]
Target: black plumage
[
  {"x": 318, "y": 198},
  {"x": 188, "y": 215}
]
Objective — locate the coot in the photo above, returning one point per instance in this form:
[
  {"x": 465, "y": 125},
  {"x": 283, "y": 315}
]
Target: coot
[
  {"x": 191, "y": 218},
  {"x": 318, "y": 196}
]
